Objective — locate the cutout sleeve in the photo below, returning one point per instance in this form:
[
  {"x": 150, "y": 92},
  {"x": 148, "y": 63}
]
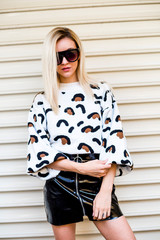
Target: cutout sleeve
[
  {"x": 40, "y": 151},
  {"x": 114, "y": 147}
]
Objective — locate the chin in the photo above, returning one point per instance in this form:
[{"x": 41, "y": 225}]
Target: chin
[{"x": 67, "y": 75}]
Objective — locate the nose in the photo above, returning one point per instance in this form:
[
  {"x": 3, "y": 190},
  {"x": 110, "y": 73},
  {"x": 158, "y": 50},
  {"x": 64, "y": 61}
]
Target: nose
[{"x": 64, "y": 60}]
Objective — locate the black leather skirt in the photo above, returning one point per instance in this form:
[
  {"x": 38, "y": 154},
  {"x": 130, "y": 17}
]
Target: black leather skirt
[{"x": 69, "y": 196}]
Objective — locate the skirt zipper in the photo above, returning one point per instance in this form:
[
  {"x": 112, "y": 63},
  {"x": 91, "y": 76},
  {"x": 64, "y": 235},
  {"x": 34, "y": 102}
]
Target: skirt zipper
[{"x": 78, "y": 191}]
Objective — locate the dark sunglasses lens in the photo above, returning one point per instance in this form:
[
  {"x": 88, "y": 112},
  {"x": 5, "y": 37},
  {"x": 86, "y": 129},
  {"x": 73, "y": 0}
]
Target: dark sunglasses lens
[
  {"x": 72, "y": 55},
  {"x": 59, "y": 58}
]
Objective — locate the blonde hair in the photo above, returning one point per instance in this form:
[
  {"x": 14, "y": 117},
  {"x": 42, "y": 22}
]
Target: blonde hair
[{"x": 49, "y": 66}]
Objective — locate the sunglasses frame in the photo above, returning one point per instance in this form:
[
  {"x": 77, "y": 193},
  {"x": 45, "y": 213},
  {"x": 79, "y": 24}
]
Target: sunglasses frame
[{"x": 63, "y": 54}]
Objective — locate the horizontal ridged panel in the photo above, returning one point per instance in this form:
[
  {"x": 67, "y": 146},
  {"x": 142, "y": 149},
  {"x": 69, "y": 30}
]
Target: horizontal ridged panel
[
  {"x": 21, "y": 84},
  {"x": 101, "y": 47},
  {"x": 141, "y": 159},
  {"x": 96, "y": 236},
  {"x": 136, "y": 111},
  {"x": 103, "y": 63},
  {"x": 139, "y": 235},
  {"x": 124, "y": 193},
  {"x": 140, "y": 110},
  {"x": 79, "y": 15},
  {"x": 116, "y": 79},
  {"x": 146, "y": 159},
  {"x": 148, "y": 235},
  {"x": 37, "y": 213},
  {"x": 43, "y": 229},
  {"x": 136, "y": 208},
  {"x": 84, "y": 31},
  {"x": 38, "y": 229},
  {"x": 126, "y": 95},
  {"x": 138, "y": 192},
  {"x": 136, "y": 78},
  {"x": 35, "y": 197},
  {"x": 13, "y": 118},
  {"x": 18, "y": 5},
  {"x": 131, "y": 128},
  {"x": 135, "y": 143},
  {"x": 23, "y": 182},
  {"x": 17, "y": 150},
  {"x": 18, "y": 167},
  {"x": 20, "y": 199}
]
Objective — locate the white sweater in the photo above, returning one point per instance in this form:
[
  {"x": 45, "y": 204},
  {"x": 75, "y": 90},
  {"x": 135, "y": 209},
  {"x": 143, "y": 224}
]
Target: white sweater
[{"x": 82, "y": 126}]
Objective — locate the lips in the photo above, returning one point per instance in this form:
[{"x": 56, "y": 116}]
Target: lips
[{"x": 65, "y": 69}]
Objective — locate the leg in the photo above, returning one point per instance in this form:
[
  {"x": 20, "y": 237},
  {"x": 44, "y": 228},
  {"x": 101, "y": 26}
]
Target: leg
[
  {"x": 115, "y": 229},
  {"x": 66, "y": 231}
]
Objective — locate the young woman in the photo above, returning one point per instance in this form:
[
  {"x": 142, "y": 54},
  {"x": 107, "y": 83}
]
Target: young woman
[{"x": 76, "y": 143}]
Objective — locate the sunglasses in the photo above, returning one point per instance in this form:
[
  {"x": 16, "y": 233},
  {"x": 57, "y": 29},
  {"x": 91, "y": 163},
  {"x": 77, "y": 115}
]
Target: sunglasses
[{"x": 71, "y": 55}]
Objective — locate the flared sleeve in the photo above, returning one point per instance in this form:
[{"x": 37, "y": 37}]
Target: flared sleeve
[
  {"x": 114, "y": 146},
  {"x": 40, "y": 152}
]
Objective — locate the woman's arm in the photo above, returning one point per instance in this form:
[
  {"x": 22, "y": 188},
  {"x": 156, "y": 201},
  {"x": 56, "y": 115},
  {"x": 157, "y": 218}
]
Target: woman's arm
[
  {"x": 95, "y": 168},
  {"x": 40, "y": 153},
  {"x": 114, "y": 147},
  {"x": 102, "y": 201}
]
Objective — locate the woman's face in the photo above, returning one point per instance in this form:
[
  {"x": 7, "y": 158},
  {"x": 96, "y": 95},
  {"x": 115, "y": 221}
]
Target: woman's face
[{"x": 68, "y": 74}]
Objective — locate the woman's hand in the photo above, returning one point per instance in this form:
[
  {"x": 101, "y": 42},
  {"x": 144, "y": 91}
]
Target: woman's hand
[
  {"x": 102, "y": 205},
  {"x": 94, "y": 168},
  {"x": 102, "y": 201}
]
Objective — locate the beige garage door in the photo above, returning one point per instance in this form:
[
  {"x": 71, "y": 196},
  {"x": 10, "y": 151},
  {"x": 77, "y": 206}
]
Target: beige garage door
[{"x": 121, "y": 39}]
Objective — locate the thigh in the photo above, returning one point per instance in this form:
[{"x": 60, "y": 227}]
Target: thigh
[
  {"x": 66, "y": 232},
  {"x": 115, "y": 229}
]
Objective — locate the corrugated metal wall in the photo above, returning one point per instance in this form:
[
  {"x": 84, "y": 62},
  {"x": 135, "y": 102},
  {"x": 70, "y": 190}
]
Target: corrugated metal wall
[{"x": 121, "y": 39}]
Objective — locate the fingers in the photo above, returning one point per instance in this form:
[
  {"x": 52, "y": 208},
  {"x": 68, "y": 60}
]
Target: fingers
[
  {"x": 107, "y": 166},
  {"x": 95, "y": 214},
  {"x": 100, "y": 213},
  {"x": 102, "y": 172},
  {"x": 105, "y": 169},
  {"x": 104, "y": 163},
  {"x": 96, "y": 168}
]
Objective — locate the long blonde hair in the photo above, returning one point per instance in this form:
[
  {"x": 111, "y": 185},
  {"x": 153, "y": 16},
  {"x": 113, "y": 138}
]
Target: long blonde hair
[{"x": 49, "y": 66}]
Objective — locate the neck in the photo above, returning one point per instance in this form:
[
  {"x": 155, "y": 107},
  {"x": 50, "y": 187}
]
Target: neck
[{"x": 71, "y": 79}]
